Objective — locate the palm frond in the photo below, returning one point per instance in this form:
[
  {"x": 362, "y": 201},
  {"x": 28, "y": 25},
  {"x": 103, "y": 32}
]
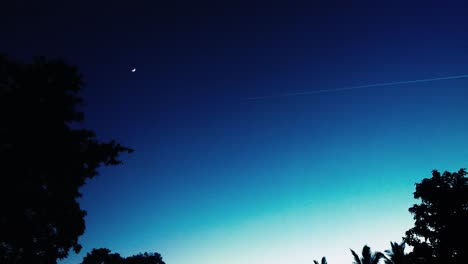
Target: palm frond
[
  {"x": 387, "y": 260},
  {"x": 366, "y": 255},
  {"x": 324, "y": 260},
  {"x": 357, "y": 260},
  {"x": 396, "y": 255},
  {"x": 376, "y": 257}
]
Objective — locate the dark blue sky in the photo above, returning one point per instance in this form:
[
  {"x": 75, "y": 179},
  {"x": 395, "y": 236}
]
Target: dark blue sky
[{"x": 216, "y": 178}]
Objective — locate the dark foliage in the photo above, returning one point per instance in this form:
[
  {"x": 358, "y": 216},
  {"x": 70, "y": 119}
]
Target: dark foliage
[
  {"x": 145, "y": 258},
  {"x": 44, "y": 161},
  {"x": 368, "y": 257},
  {"x": 324, "y": 261},
  {"x": 440, "y": 219},
  {"x": 103, "y": 256},
  {"x": 396, "y": 255}
]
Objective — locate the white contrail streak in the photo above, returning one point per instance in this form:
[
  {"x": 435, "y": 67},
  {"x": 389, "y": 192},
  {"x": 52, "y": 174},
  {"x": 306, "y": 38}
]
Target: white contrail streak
[{"x": 358, "y": 87}]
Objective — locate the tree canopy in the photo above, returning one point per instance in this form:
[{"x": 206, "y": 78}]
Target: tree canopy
[
  {"x": 103, "y": 256},
  {"x": 44, "y": 161},
  {"x": 440, "y": 218}
]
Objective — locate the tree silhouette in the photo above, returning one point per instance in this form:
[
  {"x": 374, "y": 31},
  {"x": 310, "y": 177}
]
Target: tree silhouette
[
  {"x": 368, "y": 257},
  {"x": 396, "y": 255},
  {"x": 324, "y": 261},
  {"x": 44, "y": 161},
  {"x": 145, "y": 258},
  {"x": 103, "y": 256},
  {"x": 441, "y": 216}
]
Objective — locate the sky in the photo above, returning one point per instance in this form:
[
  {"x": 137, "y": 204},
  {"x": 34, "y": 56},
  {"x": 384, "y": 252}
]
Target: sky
[{"x": 224, "y": 169}]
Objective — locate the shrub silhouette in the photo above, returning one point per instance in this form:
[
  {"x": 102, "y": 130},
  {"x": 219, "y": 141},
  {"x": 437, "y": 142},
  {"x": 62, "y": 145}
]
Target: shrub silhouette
[{"x": 103, "y": 256}]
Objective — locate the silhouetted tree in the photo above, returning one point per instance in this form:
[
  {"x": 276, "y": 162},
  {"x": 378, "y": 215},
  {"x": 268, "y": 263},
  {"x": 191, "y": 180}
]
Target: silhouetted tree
[
  {"x": 440, "y": 218},
  {"x": 145, "y": 258},
  {"x": 44, "y": 161},
  {"x": 102, "y": 256},
  {"x": 368, "y": 257},
  {"x": 396, "y": 255},
  {"x": 324, "y": 261}
]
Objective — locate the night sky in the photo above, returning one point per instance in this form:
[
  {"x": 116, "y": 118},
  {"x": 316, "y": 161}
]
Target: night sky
[{"x": 219, "y": 178}]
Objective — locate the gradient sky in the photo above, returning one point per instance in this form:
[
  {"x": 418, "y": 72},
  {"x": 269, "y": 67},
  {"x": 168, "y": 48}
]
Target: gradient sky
[{"x": 218, "y": 179}]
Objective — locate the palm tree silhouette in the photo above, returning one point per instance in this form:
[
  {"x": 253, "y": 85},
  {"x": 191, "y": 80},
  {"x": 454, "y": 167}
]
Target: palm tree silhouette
[
  {"x": 396, "y": 255},
  {"x": 367, "y": 256},
  {"x": 324, "y": 261}
]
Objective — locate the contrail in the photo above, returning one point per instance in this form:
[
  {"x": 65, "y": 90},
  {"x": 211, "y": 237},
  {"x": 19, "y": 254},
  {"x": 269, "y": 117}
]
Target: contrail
[{"x": 358, "y": 87}]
